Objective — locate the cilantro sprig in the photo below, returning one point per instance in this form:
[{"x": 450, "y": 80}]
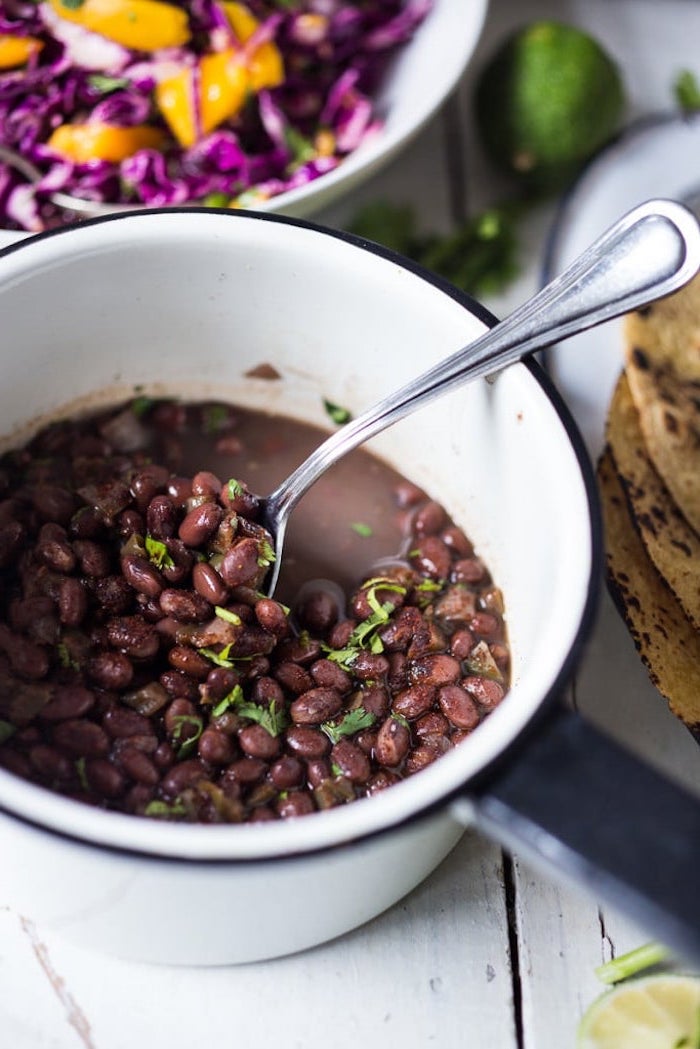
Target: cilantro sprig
[
  {"x": 231, "y": 699},
  {"x": 273, "y": 718},
  {"x": 158, "y": 553},
  {"x": 354, "y": 721},
  {"x": 187, "y": 746},
  {"x": 365, "y": 635}
]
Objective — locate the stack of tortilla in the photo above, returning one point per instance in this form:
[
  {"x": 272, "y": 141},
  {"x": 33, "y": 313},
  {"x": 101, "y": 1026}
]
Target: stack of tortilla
[{"x": 649, "y": 476}]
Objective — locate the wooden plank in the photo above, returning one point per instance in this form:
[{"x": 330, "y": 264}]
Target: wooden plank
[{"x": 432, "y": 968}]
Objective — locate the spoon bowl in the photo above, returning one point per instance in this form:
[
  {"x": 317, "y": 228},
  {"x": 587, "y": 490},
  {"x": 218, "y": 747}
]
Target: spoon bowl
[{"x": 650, "y": 252}]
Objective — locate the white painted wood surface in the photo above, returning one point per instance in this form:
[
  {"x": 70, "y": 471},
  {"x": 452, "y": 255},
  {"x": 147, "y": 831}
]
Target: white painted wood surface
[{"x": 483, "y": 953}]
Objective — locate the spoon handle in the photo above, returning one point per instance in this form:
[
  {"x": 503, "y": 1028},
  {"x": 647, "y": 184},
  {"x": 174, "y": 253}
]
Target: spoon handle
[{"x": 651, "y": 252}]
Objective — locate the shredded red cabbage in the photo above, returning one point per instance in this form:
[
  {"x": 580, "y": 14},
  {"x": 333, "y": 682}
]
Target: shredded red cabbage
[{"x": 333, "y": 64}]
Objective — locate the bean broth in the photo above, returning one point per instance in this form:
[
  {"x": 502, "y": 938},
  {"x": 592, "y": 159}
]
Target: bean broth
[{"x": 143, "y": 669}]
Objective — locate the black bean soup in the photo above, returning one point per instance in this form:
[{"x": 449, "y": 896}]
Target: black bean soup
[{"x": 143, "y": 670}]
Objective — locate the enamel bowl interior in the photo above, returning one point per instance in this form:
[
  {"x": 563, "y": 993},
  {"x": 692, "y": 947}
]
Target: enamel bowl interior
[{"x": 187, "y": 302}]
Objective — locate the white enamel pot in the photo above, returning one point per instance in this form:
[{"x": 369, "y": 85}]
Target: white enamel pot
[{"x": 188, "y": 302}]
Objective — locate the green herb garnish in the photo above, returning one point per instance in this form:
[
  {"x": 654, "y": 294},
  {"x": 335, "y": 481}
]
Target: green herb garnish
[
  {"x": 104, "y": 84},
  {"x": 301, "y": 148},
  {"x": 188, "y": 745},
  {"x": 140, "y": 406},
  {"x": 216, "y": 200},
  {"x": 339, "y": 415},
  {"x": 362, "y": 529},
  {"x": 7, "y": 729},
  {"x": 224, "y": 613},
  {"x": 336, "y": 769},
  {"x": 352, "y": 722},
  {"x": 234, "y": 488},
  {"x": 64, "y": 657},
  {"x": 164, "y": 810},
  {"x": 400, "y": 718},
  {"x": 82, "y": 775},
  {"x": 267, "y": 554},
  {"x": 687, "y": 91},
  {"x": 72, "y": 5},
  {"x": 158, "y": 553},
  {"x": 479, "y": 256},
  {"x": 232, "y": 699},
  {"x": 272, "y": 720},
  {"x": 220, "y": 658},
  {"x": 214, "y": 417},
  {"x": 365, "y": 635}
]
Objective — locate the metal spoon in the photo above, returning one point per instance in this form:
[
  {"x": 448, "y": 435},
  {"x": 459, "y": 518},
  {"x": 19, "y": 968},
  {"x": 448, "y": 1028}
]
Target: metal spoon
[{"x": 651, "y": 252}]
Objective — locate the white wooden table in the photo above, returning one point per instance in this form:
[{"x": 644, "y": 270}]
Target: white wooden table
[{"x": 486, "y": 952}]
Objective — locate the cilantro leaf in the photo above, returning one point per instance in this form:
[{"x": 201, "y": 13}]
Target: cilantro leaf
[
  {"x": 140, "y": 406},
  {"x": 362, "y": 529},
  {"x": 234, "y": 488},
  {"x": 352, "y": 722},
  {"x": 272, "y": 719},
  {"x": 158, "y": 553},
  {"x": 232, "y": 699},
  {"x": 164, "y": 810},
  {"x": 225, "y": 614},
  {"x": 221, "y": 659},
  {"x": 99, "y": 81},
  {"x": 187, "y": 746},
  {"x": 478, "y": 256},
  {"x": 339, "y": 415},
  {"x": 267, "y": 554}
]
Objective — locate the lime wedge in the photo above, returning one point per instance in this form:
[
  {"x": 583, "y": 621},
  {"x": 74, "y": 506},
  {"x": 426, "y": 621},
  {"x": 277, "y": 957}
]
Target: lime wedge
[{"x": 655, "y": 1012}]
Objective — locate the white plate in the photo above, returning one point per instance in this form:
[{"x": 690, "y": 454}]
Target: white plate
[{"x": 659, "y": 157}]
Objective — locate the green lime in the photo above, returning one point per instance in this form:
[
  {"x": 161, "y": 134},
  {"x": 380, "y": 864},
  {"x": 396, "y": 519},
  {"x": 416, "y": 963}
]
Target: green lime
[
  {"x": 655, "y": 1012},
  {"x": 547, "y": 101}
]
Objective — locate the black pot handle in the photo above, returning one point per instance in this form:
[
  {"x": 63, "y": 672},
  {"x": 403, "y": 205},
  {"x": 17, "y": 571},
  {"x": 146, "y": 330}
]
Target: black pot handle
[{"x": 574, "y": 800}]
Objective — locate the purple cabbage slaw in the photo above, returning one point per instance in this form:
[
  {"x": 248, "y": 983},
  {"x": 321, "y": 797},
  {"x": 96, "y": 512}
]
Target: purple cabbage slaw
[{"x": 334, "y": 63}]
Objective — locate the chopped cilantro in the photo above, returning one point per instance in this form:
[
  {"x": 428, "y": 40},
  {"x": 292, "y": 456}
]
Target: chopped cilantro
[
  {"x": 478, "y": 256},
  {"x": 224, "y": 613},
  {"x": 220, "y": 658},
  {"x": 272, "y": 720},
  {"x": 234, "y": 488},
  {"x": 105, "y": 84},
  {"x": 299, "y": 146},
  {"x": 188, "y": 745},
  {"x": 232, "y": 699},
  {"x": 64, "y": 656},
  {"x": 339, "y": 415},
  {"x": 216, "y": 200},
  {"x": 140, "y": 406},
  {"x": 362, "y": 529},
  {"x": 7, "y": 729},
  {"x": 336, "y": 769},
  {"x": 158, "y": 553},
  {"x": 428, "y": 586},
  {"x": 214, "y": 417},
  {"x": 352, "y": 722},
  {"x": 82, "y": 775},
  {"x": 267, "y": 554},
  {"x": 164, "y": 810},
  {"x": 400, "y": 718}
]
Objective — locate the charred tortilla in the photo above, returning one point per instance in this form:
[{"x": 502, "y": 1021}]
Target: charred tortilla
[
  {"x": 662, "y": 362},
  {"x": 668, "y": 644},
  {"x": 671, "y": 544}
]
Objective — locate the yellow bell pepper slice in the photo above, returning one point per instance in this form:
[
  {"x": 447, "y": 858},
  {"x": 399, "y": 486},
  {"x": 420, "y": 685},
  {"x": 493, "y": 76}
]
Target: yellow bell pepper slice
[
  {"x": 266, "y": 65},
  {"x": 175, "y": 99},
  {"x": 141, "y": 25},
  {"x": 84, "y": 142},
  {"x": 223, "y": 86},
  {"x": 17, "y": 50}
]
